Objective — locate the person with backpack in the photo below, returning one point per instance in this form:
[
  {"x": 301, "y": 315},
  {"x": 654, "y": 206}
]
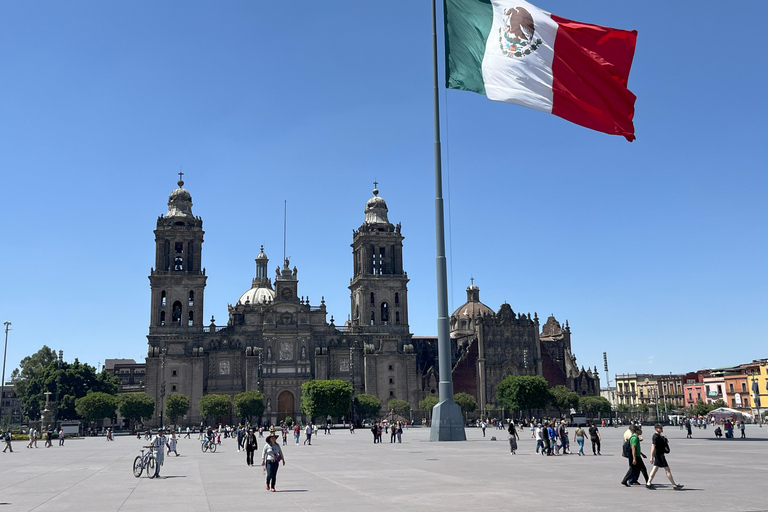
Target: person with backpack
[
  {"x": 251, "y": 445},
  {"x": 659, "y": 451},
  {"x": 632, "y": 451}
]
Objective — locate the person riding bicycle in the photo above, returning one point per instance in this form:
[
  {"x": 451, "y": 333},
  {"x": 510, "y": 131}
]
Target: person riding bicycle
[{"x": 208, "y": 435}]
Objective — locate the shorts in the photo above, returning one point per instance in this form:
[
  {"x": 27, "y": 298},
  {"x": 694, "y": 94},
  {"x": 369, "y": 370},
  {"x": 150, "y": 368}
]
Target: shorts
[{"x": 660, "y": 460}]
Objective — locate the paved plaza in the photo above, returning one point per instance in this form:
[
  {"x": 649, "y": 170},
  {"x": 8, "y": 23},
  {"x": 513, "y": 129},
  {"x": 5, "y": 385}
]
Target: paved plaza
[{"x": 343, "y": 472}]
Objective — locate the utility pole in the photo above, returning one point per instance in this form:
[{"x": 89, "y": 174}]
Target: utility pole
[
  {"x": 608, "y": 386},
  {"x": 2, "y": 382}
]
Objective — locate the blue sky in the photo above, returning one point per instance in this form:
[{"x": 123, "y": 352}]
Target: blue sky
[{"x": 654, "y": 251}]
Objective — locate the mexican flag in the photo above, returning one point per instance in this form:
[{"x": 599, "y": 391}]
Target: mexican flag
[{"x": 512, "y": 51}]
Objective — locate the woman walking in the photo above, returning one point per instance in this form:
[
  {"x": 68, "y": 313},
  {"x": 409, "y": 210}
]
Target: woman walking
[
  {"x": 251, "y": 445},
  {"x": 578, "y": 436},
  {"x": 271, "y": 456},
  {"x": 513, "y": 437}
]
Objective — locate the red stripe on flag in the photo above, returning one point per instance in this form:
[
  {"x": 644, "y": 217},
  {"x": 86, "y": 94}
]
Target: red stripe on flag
[{"x": 590, "y": 70}]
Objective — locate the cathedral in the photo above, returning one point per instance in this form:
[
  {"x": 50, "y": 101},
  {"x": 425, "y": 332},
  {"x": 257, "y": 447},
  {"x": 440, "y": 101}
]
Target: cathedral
[{"x": 275, "y": 340}]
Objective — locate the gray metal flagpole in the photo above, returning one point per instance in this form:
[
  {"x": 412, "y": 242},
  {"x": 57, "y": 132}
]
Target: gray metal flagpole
[{"x": 447, "y": 420}]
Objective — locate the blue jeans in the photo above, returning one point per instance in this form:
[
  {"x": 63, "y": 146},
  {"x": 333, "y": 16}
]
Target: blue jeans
[
  {"x": 539, "y": 444},
  {"x": 271, "y": 472},
  {"x": 580, "y": 440}
]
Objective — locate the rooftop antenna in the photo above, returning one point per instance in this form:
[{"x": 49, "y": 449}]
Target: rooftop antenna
[{"x": 285, "y": 224}]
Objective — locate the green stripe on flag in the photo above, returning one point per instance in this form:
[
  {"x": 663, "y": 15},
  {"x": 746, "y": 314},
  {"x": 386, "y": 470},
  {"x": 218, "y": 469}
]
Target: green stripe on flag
[{"x": 467, "y": 25}]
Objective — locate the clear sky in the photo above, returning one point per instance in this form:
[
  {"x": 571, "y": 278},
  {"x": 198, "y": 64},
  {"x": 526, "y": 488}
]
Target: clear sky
[{"x": 654, "y": 251}]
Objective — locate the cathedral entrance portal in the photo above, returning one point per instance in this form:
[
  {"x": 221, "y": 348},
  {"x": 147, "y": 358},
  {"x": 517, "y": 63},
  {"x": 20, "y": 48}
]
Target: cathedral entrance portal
[{"x": 284, "y": 406}]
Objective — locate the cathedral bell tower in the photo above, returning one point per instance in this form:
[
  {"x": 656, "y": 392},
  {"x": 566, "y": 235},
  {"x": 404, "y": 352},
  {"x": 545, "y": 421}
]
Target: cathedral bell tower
[
  {"x": 177, "y": 281},
  {"x": 379, "y": 291}
]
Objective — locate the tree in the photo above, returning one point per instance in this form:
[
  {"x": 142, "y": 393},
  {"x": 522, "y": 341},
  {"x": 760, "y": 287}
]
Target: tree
[
  {"x": 322, "y": 398},
  {"x": 718, "y": 404},
  {"x": 466, "y": 402},
  {"x": 176, "y": 405},
  {"x": 593, "y": 405},
  {"x": 367, "y": 406},
  {"x": 213, "y": 406},
  {"x": 428, "y": 404},
  {"x": 135, "y": 406},
  {"x": 96, "y": 405},
  {"x": 563, "y": 399},
  {"x": 523, "y": 393},
  {"x": 249, "y": 404},
  {"x": 399, "y": 407}
]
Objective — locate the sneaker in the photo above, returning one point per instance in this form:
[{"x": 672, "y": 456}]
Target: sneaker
[
  {"x": 677, "y": 487},
  {"x": 625, "y": 484},
  {"x": 650, "y": 486}
]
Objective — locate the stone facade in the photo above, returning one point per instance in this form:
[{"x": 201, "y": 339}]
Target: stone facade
[{"x": 275, "y": 339}]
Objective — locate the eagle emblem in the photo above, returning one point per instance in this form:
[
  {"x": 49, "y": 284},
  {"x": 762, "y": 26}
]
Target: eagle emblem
[{"x": 516, "y": 37}]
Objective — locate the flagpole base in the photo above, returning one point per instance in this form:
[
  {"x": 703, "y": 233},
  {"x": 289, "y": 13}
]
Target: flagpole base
[{"x": 447, "y": 422}]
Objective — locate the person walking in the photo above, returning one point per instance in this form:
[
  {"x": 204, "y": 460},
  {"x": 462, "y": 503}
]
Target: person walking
[
  {"x": 689, "y": 434},
  {"x": 8, "y": 437},
  {"x": 188, "y": 432},
  {"x": 636, "y": 465},
  {"x": 172, "y": 444},
  {"x": 539, "y": 439},
  {"x": 594, "y": 436},
  {"x": 308, "y": 434},
  {"x": 578, "y": 437},
  {"x": 251, "y": 445},
  {"x": 564, "y": 441},
  {"x": 61, "y": 436},
  {"x": 49, "y": 437},
  {"x": 741, "y": 427},
  {"x": 296, "y": 433},
  {"x": 483, "y": 425},
  {"x": 271, "y": 456},
  {"x": 400, "y": 432},
  {"x": 513, "y": 437},
  {"x": 659, "y": 450},
  {"x": 159, "y": 443},
  {"x": 32, "y": 438},
  {"x": 393, "y": 433}
]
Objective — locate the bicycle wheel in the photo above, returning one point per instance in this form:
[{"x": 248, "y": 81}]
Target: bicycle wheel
[
  {"x": 213, "y": 447},
  {"x": 151, "y": 467},
  {"x": 137, "y": 466},
  {"x": 204, "y": 447}
]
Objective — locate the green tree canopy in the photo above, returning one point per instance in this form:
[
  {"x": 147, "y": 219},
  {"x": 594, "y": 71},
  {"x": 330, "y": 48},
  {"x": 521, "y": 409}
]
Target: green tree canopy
[
  {"x": 322, "y": 398},
  {"x": 213, "y": 406},
  {"x": 702, "y": 408},
  {"x": 249, "y": 404},
  {"x": 367, "y": 406},
  {"x": 428, "y": 404},
  {"x": 96, "y": 405},
  {"x": 563, "y": 399},
  {"x": 399, "y": 407},
  {"x": 594, "y": 405},
  {"x": 176, "y": 405},
  {"x": 65, "y": 381},
  {"x": 136, "y": 406},
  {"x": 523, "y": 393},
  {"x": 466, "y": 402}
]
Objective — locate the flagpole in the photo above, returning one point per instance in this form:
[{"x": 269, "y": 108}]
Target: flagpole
[{"x": 447, "y": 420}]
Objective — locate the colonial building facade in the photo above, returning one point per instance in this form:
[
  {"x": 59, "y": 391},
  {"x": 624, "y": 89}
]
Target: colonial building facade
[{"x": 275, "y": 340}]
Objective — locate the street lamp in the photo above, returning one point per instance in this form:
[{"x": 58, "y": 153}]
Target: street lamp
[
  {"x": 756, "y": 397},
  {"x": 2, "y": 381},
  {"x": 162, "y": 386}
]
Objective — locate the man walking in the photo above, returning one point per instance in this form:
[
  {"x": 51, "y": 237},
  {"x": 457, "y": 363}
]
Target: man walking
[
  {"x": 635, "y": 458},
  {"x": 7, "y": 438},
  {"x": 659, "y": 450},
  {"x": 594, "y": 436}
]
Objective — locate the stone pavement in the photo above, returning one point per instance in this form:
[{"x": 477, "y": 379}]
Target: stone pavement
[{"x": 343, "y": 472}]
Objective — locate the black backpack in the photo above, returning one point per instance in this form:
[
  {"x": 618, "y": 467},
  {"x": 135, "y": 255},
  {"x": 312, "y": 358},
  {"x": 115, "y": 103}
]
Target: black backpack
[
  {"x": 666, "y": 444},
  {"x": 626, "y": 449}
]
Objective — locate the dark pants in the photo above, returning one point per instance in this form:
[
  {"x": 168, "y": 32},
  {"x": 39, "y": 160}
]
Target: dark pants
[
  {"x": 641, "y": 469},
  {"x": 271, "y": 473},
  {"x": 249, "y": 457},
  {"x": 632, "y": 473},
  {"x": 595, "y": 443}
]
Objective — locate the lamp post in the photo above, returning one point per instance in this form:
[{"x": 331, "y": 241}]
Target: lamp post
[
  {"x": 2, "y": 382},
  {"x": 755, "y": 398},
  {"x": 162, "y": 386}
]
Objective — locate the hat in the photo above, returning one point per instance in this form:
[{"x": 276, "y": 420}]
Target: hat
[{"x": 538, "y": 425}]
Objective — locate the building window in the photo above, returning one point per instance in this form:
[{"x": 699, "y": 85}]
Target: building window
[
  {"x": 719, "y": 389},
  {"x": 173, "y": 388},
  {"x": 373, "y": 317},
  {"x": 391, "y": 380},
  {"x": 373, "y": 299},
  {"x": 698, "y": 396},
  {"x": 385, "y": 313},
  {"x": 743, "y": 387},
  {"x": 392, "y": 394},
  {"x": 191, "y": 298},
  {"x": 162, "y": 318},
  {"x": 730, "y": 386},
  {"x": 397, "y": 298},
  {"x": 163, "y": 299},
  {"x": 173, "y": 373},
  {"x": 191, "y": 319},
  {"x": 397, "y": 318},
  {"x": 390, "y": 367},
  {"x": 690, "y": 397},
  {"x": 176, "y": 315}
]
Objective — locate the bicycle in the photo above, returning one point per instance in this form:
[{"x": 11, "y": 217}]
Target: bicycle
[
  {"x": 208, "y": 445},
  {"x": 145, "y": 460}
]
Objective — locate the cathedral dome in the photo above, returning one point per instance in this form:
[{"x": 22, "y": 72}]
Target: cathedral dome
[
  {"x": 180, "y": 202},
  {"x": 463, "y": 318},
  {"x": 259, "y": 295},
  {"x": 376, "y": 210}
]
